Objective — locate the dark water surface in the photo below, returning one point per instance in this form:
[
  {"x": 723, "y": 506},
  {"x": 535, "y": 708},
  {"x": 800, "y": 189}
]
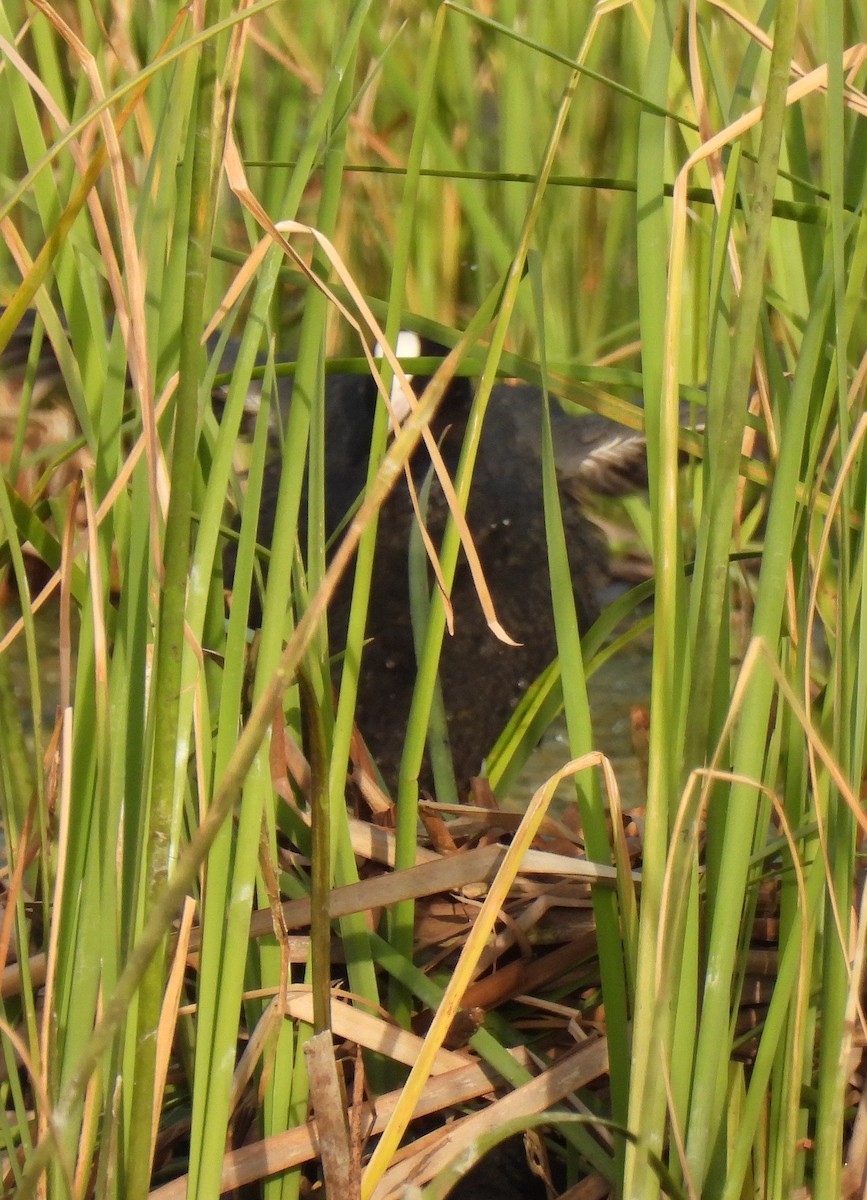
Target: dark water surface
[{"x": 619, "y": 685}]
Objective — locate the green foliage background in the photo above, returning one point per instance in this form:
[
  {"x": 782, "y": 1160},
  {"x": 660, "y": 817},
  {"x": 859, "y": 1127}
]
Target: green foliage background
[{"x": 580, "y": 219}]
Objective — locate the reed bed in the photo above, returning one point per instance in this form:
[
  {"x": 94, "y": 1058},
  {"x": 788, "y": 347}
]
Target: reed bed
[{"x": 227, "y": 968}]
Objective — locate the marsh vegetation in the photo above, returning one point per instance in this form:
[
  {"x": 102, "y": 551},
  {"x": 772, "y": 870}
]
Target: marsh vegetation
[{"x": 216, "y": 919}]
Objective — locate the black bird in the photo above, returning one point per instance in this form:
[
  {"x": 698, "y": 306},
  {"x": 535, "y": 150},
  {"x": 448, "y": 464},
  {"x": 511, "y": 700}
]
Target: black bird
[{"x": 482, "y": 678}]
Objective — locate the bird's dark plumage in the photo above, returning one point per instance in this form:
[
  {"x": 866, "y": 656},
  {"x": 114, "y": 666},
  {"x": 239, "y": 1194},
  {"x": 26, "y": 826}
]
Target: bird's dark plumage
[{"x": 482, "y": 678}]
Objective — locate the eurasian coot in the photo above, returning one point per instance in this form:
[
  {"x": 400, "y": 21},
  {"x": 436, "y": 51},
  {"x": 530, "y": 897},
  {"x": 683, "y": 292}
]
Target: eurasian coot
[{"x": 482, "y": 678}]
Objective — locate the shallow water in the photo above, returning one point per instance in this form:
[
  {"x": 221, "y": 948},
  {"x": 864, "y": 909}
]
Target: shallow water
[{"x": 619, "y": 685}]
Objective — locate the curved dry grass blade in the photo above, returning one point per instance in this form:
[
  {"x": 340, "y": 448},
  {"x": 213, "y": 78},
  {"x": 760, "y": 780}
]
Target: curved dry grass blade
[
  {"x": 435, "y": 390},
  {"x": 419, "y": 1165}
]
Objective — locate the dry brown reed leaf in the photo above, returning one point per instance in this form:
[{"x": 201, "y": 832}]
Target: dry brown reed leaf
[
  {"x": 441, "y": 875},
  {"x": 424, "y": 1159},
  {"x": 380, "y": 804},
  {"x": 470, "y": 816},
  {"x": 287, "y": 762},
  {"x": 373, "y": 1033},
  {"x": 516, "y": 932},
  {"x": 294, "y": 1147},
  {"x": 12, "y": 978},
  {"x": 438, "y": 832},
  {"x": 427, "y": 879},
  {"x": 169, "y": 1011},
  {"x": 594, "y": 1187},
  {"x": 516, "y": 978},
  {"x": 441, "y": 921}
]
